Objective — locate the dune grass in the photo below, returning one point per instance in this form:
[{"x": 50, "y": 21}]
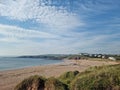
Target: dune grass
[
  {"x": 67, "y": 77},
  {"x": 94, "y": 78},
  {"x": 36, "y": 82},
  {"x": 98, "y": 78},
  {"x": 54, "y": 84}
]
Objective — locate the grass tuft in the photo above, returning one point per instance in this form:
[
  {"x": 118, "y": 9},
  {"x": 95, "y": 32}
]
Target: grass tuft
[
  {"x": 32, "y": 83},
  {"x": 54, "y": 84},
  {"x": 98, "y": 78}
]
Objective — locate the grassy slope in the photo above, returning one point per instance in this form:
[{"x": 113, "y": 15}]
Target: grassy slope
[
  {"x": 98, "y": 78},
  {"x": 94, "y": 78}
]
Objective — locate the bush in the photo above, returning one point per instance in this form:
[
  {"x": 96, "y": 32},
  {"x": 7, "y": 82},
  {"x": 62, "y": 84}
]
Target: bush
[
  {"x": 67, "y": 77},
  {"x": 40, "y": 83},
  {"x": 54, "y": 84},
  {"x": 32, "y": 83}
]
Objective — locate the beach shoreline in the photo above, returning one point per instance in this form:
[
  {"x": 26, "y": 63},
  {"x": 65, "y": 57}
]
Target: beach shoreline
[
  {"x": 19, "y": 68},
  {"x": 12, "y": 63},
  {"x": 10, "y": 78}
]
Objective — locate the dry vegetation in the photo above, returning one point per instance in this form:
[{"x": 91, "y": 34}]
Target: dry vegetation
[{"x": 94, "y": 78}]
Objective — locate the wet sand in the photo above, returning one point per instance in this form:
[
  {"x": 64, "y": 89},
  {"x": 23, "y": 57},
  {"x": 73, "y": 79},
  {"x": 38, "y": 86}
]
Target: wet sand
[{"x": 10, "y": 78}]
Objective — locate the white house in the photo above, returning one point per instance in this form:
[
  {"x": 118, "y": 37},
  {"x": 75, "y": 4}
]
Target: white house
[{"x": 111, "y": 58}]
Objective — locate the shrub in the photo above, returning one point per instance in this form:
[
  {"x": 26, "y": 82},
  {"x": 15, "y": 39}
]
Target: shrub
[
  {"x": 32, "y": 83},
  {"x": 54, "y": 84},
  {"x": 67, "y": 77}
]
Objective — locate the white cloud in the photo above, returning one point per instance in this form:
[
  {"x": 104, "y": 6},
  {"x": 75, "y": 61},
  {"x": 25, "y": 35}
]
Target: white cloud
[
  {"x": 53, "y": 39},
  {"x": 73, "y": 43},
  {"x": 51, "y": 16},
  {"x": 14, "y": 33}
]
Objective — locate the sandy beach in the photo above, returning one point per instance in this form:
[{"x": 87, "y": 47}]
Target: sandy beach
[{"x": 10, "y": 78}]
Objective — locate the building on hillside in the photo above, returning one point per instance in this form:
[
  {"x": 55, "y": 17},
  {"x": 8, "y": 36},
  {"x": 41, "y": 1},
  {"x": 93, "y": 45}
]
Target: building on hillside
[
  {"x": 104, "y": 57},
  {"x": 99, "y": 55},
  {"x": 112, "y": 58}
]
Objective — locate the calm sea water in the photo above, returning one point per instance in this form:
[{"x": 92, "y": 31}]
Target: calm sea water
[{"x": 16, "y": 63}]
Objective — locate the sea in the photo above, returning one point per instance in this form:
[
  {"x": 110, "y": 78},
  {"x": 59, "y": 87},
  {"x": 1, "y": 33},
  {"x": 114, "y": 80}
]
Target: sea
[{"x": 10, "y": 63}]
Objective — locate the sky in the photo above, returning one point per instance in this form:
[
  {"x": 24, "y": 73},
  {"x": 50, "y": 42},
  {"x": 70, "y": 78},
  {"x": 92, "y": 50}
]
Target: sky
[{"x": 34, "y": 27}]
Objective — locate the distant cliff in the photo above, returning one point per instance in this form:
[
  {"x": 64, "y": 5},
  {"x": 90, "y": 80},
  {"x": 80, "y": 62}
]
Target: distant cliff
[{"x": 53, "y": 57}]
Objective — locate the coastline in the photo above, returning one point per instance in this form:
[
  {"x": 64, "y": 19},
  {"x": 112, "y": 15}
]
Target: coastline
[
  {"x": 13, "y": 69},
  {"x": 10, "y": 78}
]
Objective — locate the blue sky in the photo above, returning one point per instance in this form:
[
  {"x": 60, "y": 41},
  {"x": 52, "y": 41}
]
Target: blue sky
[{"x": 33, "y": 27}]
